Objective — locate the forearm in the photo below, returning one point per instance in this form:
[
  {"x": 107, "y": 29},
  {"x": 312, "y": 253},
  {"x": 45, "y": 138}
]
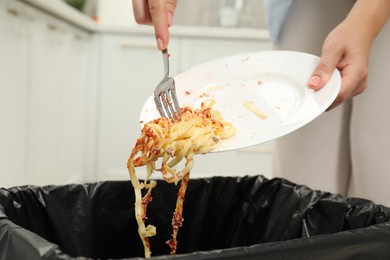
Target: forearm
[{"x": 369, "y": 16}]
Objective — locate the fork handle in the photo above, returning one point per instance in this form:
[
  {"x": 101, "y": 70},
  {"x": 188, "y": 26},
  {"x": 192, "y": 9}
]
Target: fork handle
[{"x": 165, "y": 56}]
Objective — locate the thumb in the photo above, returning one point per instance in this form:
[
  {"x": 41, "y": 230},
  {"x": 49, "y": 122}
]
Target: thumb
[{"x": 324, "y": 69}]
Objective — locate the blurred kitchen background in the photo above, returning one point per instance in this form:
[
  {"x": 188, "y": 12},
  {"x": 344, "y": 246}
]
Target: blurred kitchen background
[{"x": 74, "y": 76}]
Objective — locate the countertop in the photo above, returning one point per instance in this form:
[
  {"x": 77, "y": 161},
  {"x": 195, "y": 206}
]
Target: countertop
[{"x": 61, "y": 10}]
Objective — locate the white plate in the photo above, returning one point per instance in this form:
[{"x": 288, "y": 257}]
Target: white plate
[{"x": 276, "y": 83}]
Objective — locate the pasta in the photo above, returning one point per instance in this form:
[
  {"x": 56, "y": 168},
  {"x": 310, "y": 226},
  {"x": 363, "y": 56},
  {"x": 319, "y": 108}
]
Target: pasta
[
  {"x": 197, "y": 132},
  {"x": 249, "y": 105}
]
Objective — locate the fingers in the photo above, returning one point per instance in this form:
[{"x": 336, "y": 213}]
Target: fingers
[
  {"x": 354, "y": 81},
  {"x": 171, "y": 7},
  {"x": 158, "y": 13},
  {"x": 322, "y": 73},
  {"x": 141, "y": 12},
  {"x": 341, "y": 98}
]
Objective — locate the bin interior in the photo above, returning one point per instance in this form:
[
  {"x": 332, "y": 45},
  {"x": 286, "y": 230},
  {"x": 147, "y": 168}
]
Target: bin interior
[{"x": 97, "y": 219}]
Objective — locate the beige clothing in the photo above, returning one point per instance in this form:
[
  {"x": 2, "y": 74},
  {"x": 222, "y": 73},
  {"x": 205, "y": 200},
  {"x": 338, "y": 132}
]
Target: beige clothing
[{"x": 346, "y": 150}]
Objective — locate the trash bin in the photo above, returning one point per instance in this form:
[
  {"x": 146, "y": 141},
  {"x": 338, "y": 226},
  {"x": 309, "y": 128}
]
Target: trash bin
[{"x": 224, "y": 218}]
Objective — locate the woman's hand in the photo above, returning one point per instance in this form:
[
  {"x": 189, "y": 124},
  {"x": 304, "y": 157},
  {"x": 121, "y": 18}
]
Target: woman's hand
[
  {"x": 347, "y": 48},
  {"x": 158, "y": 13}
]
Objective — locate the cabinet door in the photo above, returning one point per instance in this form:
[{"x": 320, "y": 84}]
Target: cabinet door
[
  {"x": 58, "y": 103},
  {"x": 45, "y": 98},
  {"x": 14, "y": 47},
  {"x": 131, "y": 67}
]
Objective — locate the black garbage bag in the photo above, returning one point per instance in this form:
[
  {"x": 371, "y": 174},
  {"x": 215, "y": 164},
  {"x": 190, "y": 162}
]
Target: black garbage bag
[{"x": 224, "y": 218}]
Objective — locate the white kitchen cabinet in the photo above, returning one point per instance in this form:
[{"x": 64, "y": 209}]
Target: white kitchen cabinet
[
  {"x": 14, "y": 59},
  {"x": 46, "y": 69},
  {"x": 58, "y": 103}
]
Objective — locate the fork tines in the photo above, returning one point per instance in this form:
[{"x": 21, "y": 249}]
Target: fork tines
[
  {"x": 165, "y": 94},
  {"x": 166, "y": 100}
]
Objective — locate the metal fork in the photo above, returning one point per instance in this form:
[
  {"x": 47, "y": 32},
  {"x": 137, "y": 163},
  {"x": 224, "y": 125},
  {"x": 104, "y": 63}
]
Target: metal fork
[{"x": 165, "y": 93}]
